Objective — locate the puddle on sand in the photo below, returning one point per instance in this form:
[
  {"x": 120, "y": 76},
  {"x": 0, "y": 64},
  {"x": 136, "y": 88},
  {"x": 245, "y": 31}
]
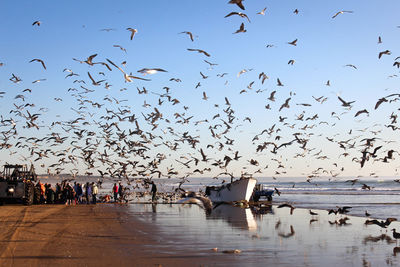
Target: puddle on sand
[{"x": 271, "y": 235}]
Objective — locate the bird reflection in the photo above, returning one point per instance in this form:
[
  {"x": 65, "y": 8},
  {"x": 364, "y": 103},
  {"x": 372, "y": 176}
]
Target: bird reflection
[
  {"x": 396, "y": 250},
  {"x": 382, "y": 237},
  {"x": 292, "y": 232}
]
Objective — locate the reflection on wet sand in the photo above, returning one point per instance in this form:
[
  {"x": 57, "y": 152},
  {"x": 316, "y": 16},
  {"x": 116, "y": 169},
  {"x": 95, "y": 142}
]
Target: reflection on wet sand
[
  {"x": 237, "y": 217},
  {"x": 268, "y": 235}
]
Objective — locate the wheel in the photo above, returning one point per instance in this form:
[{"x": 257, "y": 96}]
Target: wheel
[
  {"x": 29, "y": 194},
  {"x": 36, "y": 198}
]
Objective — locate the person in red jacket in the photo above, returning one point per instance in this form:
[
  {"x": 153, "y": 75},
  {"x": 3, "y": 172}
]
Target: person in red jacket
[{"x": 115, "y": 191}]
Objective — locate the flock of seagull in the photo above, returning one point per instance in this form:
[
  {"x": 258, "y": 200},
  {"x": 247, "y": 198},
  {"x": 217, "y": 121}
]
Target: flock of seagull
[{"x": 163, "y": 138}]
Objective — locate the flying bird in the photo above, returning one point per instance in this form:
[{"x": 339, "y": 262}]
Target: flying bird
[
  {"x": 344, "y": 103},
  {"x": 133, "y": 32},
  {"x": 120, "y": 47},
  {"x": 272, "y": 96},
  {"x": 341, "y": 12},
  {"x": 243, "y": 15},
  {"x": 200, "y": 51},
  {"x": 386, "y": 52},
  {"x": 145, "y": 71},
  {"x": 262, "y": 12},
  {"x": 36, "y": 23},
  {"x": 38, "y": 60},
  {"x": 205, "y": 97},
  {"x": 286, "y": 104},
  {"x": 351, "y": 66},
  {"x": 128, "y": 78},
  {"x": 361, "y": 112},
  {"x": 241, "y": 29},
  {"x": 188, "y": 33},
  {"x": 294, "y": 42},
  {"x": 238, "y": 3},
  {"x": 380, "y": 101}
]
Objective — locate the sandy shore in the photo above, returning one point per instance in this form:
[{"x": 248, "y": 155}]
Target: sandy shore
[{"x": 85, "y": 235}]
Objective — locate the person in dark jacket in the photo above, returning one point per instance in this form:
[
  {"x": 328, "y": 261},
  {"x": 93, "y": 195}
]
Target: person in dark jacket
[
  {"x": 120, "y": 191},
  {"x": 153, "y": 191},
  {"x": 57, "y": 198}
]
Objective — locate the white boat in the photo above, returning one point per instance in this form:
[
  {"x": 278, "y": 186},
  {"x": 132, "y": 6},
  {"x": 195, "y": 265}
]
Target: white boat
[{"x": 238, "y": 190}]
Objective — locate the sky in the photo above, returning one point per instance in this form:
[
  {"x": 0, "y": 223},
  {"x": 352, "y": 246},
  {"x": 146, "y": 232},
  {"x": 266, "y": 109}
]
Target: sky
[{"x": 342, "y": 50}]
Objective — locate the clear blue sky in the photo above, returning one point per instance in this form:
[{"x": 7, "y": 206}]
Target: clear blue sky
[{"x": 325, "y": 45}]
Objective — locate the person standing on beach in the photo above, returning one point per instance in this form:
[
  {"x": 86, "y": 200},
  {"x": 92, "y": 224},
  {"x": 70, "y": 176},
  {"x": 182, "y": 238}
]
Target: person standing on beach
[
  {"x": 120, "y": 191},
  {"x": 115, "y": 191},
  {"x": 95, "y": 192},
  {"x": 58, "y": 193},
  {"x": 153, "y": 191},
  {"x": 88, "y": 192},
  {"x": 79, "y": 193},
  {"x": 42, "y": 192},
  {"x": 69, "y": 194},
  {"x": 75, "y": 187}
]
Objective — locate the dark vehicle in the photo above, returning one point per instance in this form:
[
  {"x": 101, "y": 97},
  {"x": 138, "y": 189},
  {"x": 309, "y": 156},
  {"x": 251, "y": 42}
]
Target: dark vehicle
[
  {"x": 17, "y": 184},
  {"x": 261, "y": 191}
]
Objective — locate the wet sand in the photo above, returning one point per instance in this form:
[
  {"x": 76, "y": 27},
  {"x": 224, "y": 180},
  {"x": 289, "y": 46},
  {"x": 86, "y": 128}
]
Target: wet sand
[
  {"x": 84, "y": 235},
  {"x": 177, "y": 235}
]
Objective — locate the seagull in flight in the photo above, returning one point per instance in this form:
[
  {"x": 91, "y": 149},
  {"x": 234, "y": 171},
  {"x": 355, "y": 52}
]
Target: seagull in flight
[
  {"x": 344, "y": 103},
  {"x": 241, "y": 29},
  {"x": 294, "y": 42},
  {"x": 386, "y": 52},
  {"x": 38, "y": 60},
  {"x": 128, "y": 78},
  {"x": 200, "y": 51},
  {"x": 238, "y": 3},
  {"x": 190, "y": 35},
  {"x": 341, "y": 12},
  {"x": 145, "y": 71},
  {"x": 133, "y": 31},
  {"x": 351, "y": 66},
  {"x": 239, "y": 14},
  {"x": 262, "y": 12}
]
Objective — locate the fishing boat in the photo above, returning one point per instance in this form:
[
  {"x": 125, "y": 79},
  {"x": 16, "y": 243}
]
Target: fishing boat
[{"x": 238, "y": 190}]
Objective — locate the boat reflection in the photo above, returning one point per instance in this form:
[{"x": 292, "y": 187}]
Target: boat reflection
[
  {"x": 261, "y": 209},
  {"x": 237, "y": 217}
]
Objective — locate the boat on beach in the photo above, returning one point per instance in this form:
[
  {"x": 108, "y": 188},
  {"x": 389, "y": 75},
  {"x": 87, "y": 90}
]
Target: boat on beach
[{"x": 238, "y": 190}]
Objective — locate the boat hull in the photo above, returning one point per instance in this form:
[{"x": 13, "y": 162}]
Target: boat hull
[{"x": 236, "y": 191}]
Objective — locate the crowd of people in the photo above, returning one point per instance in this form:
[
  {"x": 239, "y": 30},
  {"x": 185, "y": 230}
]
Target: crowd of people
[
  {"x": 85, "y": 193},
  {"x": 66, "y": 193}
]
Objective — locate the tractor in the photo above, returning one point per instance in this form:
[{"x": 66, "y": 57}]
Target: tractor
[{"x": 17, "y": 184}]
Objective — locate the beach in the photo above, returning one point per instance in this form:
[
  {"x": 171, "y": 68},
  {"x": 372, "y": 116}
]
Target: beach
[
  {"x": 182, "y": 235},
  {"x": 84, "y": 235}
]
